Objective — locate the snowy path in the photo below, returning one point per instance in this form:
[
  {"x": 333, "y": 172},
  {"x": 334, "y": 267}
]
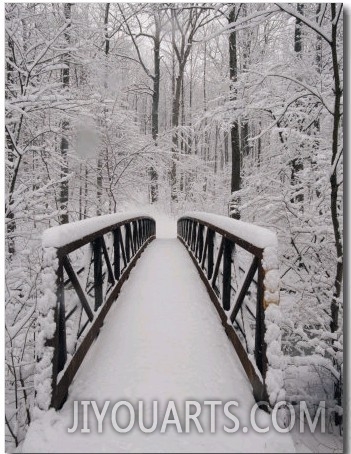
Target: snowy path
[{"x": 162, "y": 340}]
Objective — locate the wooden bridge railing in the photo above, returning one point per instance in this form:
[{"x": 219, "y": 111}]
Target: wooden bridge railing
[
  {"x": 85, "y": 265},
  {"x": 237, "y": 262}
]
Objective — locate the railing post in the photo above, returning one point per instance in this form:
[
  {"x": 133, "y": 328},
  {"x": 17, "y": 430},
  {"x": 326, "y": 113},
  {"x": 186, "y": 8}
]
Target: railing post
[
  {"x": 116, "y": 252},
  {"x": 140, "y": 233},
  {"x": 260, "y": 345},
  {"x": 148, "y": 229},
  {"x": 61, "y": 328},
  {"x": 193, "y": 236},
  {"x": 188, "y": 234},
  {"x": 200, "y": 242},
  {"x": 98, "y": 279},
  {"x": 145, "y": 234},
  {"x": 135, "y": 237},
  {"x": 127, "y": 245},
  {"x": 131, "y": 230},
  {"x": 210, "y": 248},
  {"x": 227, "y": 270}
]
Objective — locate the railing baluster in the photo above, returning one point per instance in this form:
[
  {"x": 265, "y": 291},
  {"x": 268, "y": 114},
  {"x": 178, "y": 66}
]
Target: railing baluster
[
  {"x": 143, "y": 236},
  {"x": 61, "y": 328},
  {"x": 190, "y": 225},
  {"x": 78, "y": 288},
  {"x": 116, "y": 252},
  {"x": 197, "y": 237},
  {"x": 111, "y": 279},
  {"x": 218, "y": 262},
  {"x": 135, "y": 237},
  {"x": 204, "y": 253},
  {"x": 239, "y": 297},
  {"x": 123, "y": 250},
  {"x": 98, "y": 279},
  {"x": 193, "y": 236},
  {"x": 200, "y": 241},
  {"x": 227, "y": 270},
  {"x": 127, "y": 245},
  {"x": 260, "y": 346},
  {"x": 131, "y": 232},
  {"x": 140, "y": 235},
  {"x": 210, "y": 249},
  {"x": 148, "y": 229}
]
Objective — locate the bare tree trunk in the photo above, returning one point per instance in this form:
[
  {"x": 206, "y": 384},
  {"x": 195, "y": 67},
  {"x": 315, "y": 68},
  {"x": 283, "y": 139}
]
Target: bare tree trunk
[
  {"x": 155, "y": 104},
  {"x": 298, "y": 30},
  {"x": 334, "y": 307},
  {"x": 181, "y": 48},
  {"x": 86, "y": 192},
  {"x": 65, "y": 127},
  {"x": 155, "y": 77},
  {"x": 99, "y": 178},
  {"x": 259, "y": 146},
  {"x": 226, "y": 150},
  {"x": 244, "y": 124},
  {"x": 297, "y": 163},
  {"x": 11, "y": 223},
  {"x": 175, "y": 124},
  {"x": 234, "y": 131},
  {"x": 80, "y": 193},
  {"x": 316, "y": 123}
]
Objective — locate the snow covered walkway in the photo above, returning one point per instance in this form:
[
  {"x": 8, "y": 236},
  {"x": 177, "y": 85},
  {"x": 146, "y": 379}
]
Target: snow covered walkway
[{"x": 163, "y": 341}]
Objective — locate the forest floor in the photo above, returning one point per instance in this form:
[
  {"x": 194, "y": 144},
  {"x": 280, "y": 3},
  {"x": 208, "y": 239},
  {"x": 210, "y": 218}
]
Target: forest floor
[{"x": 163, "y": 341}]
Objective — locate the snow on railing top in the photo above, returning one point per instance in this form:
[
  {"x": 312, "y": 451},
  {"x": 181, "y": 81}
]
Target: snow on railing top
[
  {"x": 257, "y": 236},
  {"x": 62, "y": 235}
]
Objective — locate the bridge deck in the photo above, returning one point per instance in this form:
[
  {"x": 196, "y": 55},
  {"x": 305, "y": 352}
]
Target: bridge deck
[{"x": 162, "y": 340}]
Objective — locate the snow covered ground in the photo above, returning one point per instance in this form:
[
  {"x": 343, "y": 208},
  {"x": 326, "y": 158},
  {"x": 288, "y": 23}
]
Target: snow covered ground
[{"x": 162, "y": 341}]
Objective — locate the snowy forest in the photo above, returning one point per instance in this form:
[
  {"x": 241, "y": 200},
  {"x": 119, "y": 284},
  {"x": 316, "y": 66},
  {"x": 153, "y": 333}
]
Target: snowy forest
[{"x": 229, "y": 108}]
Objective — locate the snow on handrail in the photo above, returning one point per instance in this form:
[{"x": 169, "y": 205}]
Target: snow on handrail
[
  {"x": 257, "y": 236},
  {"x": 63, "y": 235}
]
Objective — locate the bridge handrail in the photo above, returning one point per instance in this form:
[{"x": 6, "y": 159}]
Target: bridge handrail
[
  {"x": 197, "y": 231},
  {"x": 68, "y": 237},
  {"x": 129, "y": 234}
]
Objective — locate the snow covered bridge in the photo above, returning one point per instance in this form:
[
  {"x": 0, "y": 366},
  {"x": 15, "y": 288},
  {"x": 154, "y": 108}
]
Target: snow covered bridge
[{"x": 160, "y": 337}]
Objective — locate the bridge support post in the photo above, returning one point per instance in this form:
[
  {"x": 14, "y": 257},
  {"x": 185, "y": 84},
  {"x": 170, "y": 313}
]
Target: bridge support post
[
  {"x": 260, "y": 345},
  {"x": 200, "y": 242},
  {"x": 98, "y": 280},
  {"x": 135, "y": 237},
  {"x": 61, "y": 330},
  {"x": 193, "y": 236},
  {"x": 128, "y": 241},
  {"x": 210, "y": 249},
  {"x": 116, "y": 252},
  {"x": 140, "y": 234},
  {"x": 188, "y": 236},
  {"x": 227, "y": 271}
]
